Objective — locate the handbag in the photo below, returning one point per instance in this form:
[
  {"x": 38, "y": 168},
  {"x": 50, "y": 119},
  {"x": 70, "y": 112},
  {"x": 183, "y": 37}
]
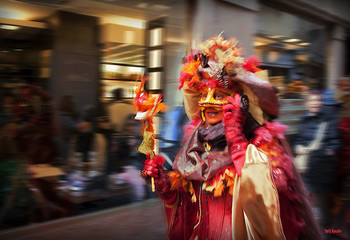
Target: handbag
[{"x": 301, "y": 160}]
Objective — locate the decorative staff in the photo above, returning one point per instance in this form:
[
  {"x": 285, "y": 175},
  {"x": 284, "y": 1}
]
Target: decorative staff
[{"x": 147, "y": 105}]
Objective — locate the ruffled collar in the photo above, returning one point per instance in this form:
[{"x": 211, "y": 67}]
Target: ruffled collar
[
  {"x": 214, "y": 135},
  {"x": 195, "y": 162}
]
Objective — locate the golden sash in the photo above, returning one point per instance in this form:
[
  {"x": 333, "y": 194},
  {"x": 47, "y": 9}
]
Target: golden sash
[{"x": 255, "y": 206}]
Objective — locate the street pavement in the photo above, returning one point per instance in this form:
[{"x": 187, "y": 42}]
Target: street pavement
[{"x": 140, "y": 220}]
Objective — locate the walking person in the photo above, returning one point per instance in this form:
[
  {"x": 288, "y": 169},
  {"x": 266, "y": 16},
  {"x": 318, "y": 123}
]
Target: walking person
[
  {"x": 102, "y": 133},
  {"x": 70, "y": 125},
  {"x": 318, "y": 139},
  {"x": 118, "y": 112}
]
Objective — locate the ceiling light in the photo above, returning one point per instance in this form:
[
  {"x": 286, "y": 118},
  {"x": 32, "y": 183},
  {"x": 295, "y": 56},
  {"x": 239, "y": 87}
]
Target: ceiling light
[
  {"x": 292, "y": 46},
  {"x": 304, "y": 44},
  {"x": 302, "y": 57},
  {"x": 142, "y": 5},
  {"x": 160, "y": 7},
  {"x": 111, "y": 68},
  {"x": 276, "y": 36},
  {"x": 125, "y": 21},
  {"x": 260, "y": 41},
  {"x": 292, "y": 40},
  {"x": 135, "y": 69},
  {"x": 9, "y": 27},
  {"x": 257, "y": 43}
]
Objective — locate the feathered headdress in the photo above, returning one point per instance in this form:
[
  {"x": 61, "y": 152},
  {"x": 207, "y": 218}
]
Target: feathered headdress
[
  {"x": 216, "y": 59},
  {"x": 216, "y": 64}
]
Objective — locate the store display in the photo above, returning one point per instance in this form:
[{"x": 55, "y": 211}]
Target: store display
[{"x": 120, "y": 76}]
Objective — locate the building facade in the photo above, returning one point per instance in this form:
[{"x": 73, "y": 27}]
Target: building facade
[{"x": 88, "y": 48}]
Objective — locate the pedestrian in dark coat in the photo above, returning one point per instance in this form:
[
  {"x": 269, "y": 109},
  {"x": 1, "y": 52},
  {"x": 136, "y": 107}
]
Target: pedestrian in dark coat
[{"x": 320, "y": 170}]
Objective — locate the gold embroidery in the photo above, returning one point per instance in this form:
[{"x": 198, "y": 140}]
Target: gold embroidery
[
  {"x": 217, "y": 185},
  {"x": 200, "y": 208},
  {"x": 207, "y": 146}
]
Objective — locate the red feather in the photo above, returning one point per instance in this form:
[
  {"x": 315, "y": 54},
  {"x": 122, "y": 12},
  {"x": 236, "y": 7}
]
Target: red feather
[{"x": 251, "y": 64}]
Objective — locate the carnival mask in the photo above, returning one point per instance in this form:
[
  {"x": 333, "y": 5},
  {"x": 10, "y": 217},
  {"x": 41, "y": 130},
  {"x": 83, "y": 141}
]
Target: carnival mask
[{"x": 211, "y": 102}]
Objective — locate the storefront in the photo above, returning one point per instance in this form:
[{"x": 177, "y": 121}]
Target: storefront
[
  {"x": 80, "y": 48},
  {"x": 302, "y": 50},
  {"x": 75, "y": 47},
  {"x": 293, "y": 50}
]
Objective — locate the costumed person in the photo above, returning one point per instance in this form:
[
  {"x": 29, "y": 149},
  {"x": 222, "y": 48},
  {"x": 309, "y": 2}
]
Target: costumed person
[
  {"x": 28, "y": 140},
  {"x": 233, "y": 177},
  {"x": 34, "y": 124}
]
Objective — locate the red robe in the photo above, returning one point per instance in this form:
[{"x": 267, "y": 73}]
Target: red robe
[{"x": 207, "y": 199}]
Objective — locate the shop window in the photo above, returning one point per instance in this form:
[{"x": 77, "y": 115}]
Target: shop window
[
  {"x": 155, "y": 58},
  {"x": 155, "y": 78},
  {"x": 156, "y": 37},
  {"x": 155, "y": 54},
  {"x": 292, "y": 49}
]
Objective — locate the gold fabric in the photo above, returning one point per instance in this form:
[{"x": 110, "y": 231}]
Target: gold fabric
[
  {"x": 255, "y": 206},
  {"x": 147, "y": 144},
  {"x": 254, "y": 103},
  {"x": 254, "y": 107},
  {"x": 191, "y": 98},
  {"x": 263, "y": 75}
]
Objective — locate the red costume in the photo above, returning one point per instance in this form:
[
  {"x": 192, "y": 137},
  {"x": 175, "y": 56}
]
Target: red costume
[{"x": 233, "y": 177}]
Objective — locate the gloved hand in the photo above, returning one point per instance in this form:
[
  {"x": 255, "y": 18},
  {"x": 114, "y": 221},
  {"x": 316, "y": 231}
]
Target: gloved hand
[
  {"x": 153, "y": 165},
  {"x": 154, "y": 168},
  {"x": 237, "y": 110},
  {"x": 235, "y": 114}
]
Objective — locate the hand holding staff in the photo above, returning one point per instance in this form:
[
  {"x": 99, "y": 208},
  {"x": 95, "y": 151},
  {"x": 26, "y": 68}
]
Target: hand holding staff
[{"x": 146, "y": 106}]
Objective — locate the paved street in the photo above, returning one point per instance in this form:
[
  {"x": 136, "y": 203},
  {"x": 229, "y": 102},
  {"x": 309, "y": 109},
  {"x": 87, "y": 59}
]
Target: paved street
[{"x": 141, "y": 220}]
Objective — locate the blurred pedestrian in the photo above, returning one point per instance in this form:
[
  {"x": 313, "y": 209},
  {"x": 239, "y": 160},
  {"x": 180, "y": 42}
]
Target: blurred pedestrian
[
  {"x": 35, "y": 124},
  {"x": 85, "y": 137},
  {"x": 7, "y": 102},
  {"x": 318, "y": 140},
  {"x": 69, "y": 126},
  {"x": 331, "y": 107},
  {"x": 133, "y": 136},
  {"x": 30, "y": 136},
  {"x": 102, "y": 132},
  {"x": 341, "y": 209},
  {"x": 118, "y": 111}
]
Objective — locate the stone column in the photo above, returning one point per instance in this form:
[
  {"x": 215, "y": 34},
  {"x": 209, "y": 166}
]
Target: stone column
[
  {"x": 237, "y": 20},
  {"x": 335, "y": 55},
  {"x": 75, "y": 58}
]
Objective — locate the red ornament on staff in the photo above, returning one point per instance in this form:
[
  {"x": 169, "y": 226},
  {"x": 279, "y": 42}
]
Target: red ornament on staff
[{"x": 146, "y": 106}]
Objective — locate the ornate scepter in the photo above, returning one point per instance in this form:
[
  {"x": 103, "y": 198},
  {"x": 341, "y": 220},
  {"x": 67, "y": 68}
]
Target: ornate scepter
[{"x": 147, "y": 105}]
